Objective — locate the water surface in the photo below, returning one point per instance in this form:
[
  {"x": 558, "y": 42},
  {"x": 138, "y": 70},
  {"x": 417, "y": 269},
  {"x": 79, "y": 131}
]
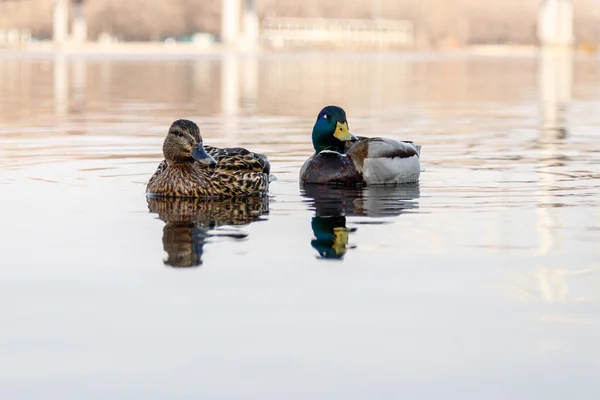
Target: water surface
[{"x": 482, "y": 281}]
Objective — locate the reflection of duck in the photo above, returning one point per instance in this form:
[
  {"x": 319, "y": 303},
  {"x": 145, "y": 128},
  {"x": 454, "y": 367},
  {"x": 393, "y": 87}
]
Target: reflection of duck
[
  {"x": 373, "y": 201},
  {"x": 192, "y": 170},
  {"x": 342, "y": 158},
  {"x": 331, "y": 236},
  {"x": 191, "y": 222},
  {"x": 332, "y": 205}
]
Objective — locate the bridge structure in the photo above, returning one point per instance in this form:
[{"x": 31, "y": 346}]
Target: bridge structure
[
  {"x": 555, "y": 23},
  {"x": 280, "y": 32}
]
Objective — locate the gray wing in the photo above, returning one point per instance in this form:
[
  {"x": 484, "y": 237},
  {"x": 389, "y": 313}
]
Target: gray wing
[{"x": 383, "y": 148}]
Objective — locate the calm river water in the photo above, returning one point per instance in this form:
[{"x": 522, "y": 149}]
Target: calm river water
[{"x": 481, "y": 282}]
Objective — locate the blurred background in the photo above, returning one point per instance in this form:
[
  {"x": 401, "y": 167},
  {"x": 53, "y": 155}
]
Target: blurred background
[{"x": 406, "y": 24}]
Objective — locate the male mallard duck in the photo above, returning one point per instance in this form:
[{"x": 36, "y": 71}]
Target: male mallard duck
[
  {"x": 343, "y": 158},
  {"x": 193, "y": 170}
]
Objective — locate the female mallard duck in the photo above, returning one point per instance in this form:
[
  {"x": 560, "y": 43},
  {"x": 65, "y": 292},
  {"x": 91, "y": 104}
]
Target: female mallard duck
[
  {"x": 193, "y": 170},
  {"x": 342, "y": 158}
]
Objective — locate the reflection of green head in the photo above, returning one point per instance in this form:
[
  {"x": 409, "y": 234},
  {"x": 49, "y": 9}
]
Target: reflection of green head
[{"x": 331, "y": 236}]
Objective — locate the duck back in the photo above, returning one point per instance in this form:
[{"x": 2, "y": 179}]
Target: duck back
[{"x": 239, "y": 159}]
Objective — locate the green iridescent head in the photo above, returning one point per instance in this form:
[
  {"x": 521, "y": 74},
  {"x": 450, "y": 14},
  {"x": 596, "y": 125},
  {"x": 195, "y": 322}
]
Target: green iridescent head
[{"x": 331, "y": 130}]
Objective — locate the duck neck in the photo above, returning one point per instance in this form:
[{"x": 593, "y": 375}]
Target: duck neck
[
  {"x": 183, "y": 163},
  {"x": 326, "y": 141}
]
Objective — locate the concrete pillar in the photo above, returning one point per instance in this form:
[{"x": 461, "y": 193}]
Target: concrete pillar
[
  {"x": 60, "y": 27},
  {"x": 230, "y": 21},
  {"x": 555, "y": 23},
  {"x": 251, "y": 26},
  {"x": 376, "y": 9},
  {"x": 79, "y": 28}
]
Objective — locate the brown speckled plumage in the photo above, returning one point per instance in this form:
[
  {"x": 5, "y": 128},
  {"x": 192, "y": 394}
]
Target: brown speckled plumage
[{"x": 219, "y": 173}]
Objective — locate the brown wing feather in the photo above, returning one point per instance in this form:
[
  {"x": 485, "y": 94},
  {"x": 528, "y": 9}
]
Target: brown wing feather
[
  {"x": 239, "y": 159},
  {"x": 231, "y": 158}
]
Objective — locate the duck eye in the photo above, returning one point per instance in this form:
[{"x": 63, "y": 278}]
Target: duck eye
[{"x": 325, "y": 116}]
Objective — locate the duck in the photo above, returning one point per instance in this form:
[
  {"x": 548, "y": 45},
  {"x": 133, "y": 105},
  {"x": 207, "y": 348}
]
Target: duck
[
  {"x": 341, "y": 158},
  {"x": 191, "y": 169}
]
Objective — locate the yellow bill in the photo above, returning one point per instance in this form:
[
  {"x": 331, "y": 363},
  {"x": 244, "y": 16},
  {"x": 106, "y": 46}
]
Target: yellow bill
[{"x": 342, "y": 133}]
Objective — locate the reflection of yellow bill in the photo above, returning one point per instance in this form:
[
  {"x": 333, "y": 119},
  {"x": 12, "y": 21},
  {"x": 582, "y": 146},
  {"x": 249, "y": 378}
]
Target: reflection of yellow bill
[
  {"x": 340, "y": 243},
  {"x": 342, "y": 133}
]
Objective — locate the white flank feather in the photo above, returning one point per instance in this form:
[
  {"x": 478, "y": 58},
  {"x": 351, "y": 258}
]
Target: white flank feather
[{"x": 383, "y": 170}]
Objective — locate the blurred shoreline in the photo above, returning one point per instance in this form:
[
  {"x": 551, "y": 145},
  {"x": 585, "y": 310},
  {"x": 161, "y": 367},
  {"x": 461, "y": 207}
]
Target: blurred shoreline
[{"x": 187, "y": 49}]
